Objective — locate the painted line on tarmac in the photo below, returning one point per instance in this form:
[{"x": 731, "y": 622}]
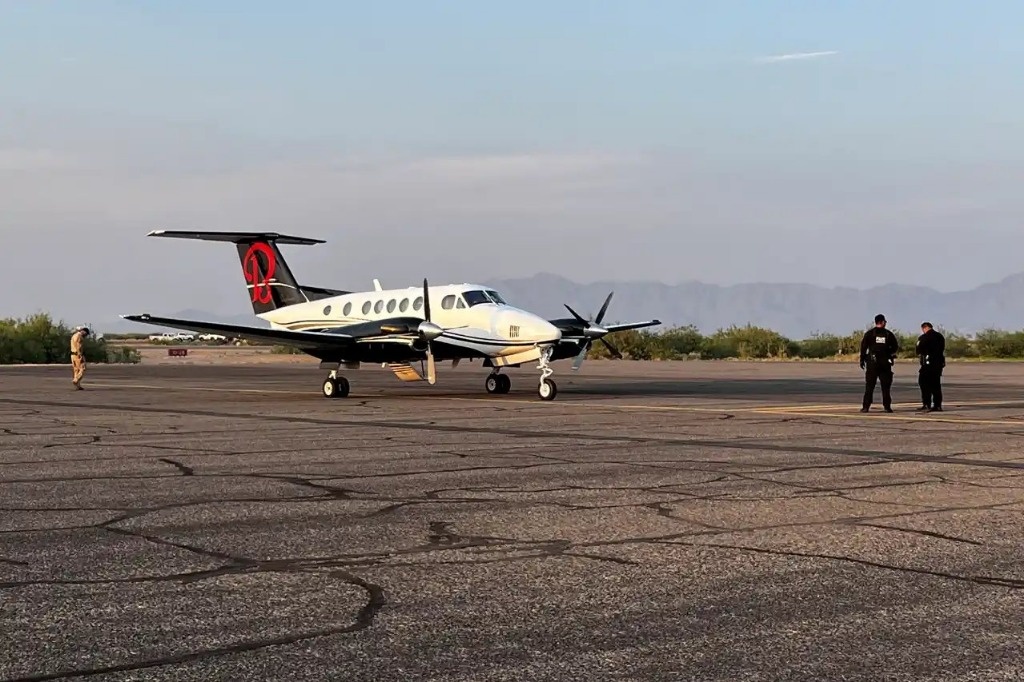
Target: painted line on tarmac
[
  {"x": 893, "y": 417},
  {"x": 856, "y": 406},
  {"x": 178, "y": 387},
  {"x": 782, "y": 410},
  {"x": 714, "y": 408}
]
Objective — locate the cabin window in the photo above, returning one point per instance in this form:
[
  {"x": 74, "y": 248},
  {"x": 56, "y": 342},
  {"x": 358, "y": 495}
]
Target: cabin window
[
  {"x": 391, "y": 305},
  {"x": 347, "y": 309},
  {"x": 448, "y": 302},
  {"x": 366, "y": 308},
  {"x": 418, "y": 303},
  {"x": 327, "y": 311},
  {"x": 378, "y": 306},
  {"x": 404, "y": 305}
]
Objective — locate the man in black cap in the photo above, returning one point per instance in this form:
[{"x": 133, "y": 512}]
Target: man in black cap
[
  {"x": 878, "y": 351},
  {"x": 931, "y": 348}
]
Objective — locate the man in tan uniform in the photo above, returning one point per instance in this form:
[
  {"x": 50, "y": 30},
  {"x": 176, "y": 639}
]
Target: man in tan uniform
[{"x": 78, "y": 356}]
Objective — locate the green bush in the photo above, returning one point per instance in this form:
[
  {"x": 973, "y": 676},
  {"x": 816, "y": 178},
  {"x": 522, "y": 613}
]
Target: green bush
[
  {"x": 752, "y": 342},
  {"x": 41, "y": 341}
]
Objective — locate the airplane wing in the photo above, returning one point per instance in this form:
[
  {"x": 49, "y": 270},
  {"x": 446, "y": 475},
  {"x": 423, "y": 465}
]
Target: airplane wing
[{"x": 300, "y": 339}]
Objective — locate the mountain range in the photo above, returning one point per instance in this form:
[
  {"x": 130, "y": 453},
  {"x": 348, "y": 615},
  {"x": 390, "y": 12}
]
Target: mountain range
[{"x": 796, "y": 310}]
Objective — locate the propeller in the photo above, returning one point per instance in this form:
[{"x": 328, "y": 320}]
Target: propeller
[
  {"x": 593, "y": 331},
  {"x": 429, "y": 331}
]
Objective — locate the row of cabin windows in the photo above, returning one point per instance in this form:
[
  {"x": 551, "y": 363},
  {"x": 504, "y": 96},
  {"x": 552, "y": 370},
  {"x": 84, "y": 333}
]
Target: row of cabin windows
[{"x": 448, "y": 302}]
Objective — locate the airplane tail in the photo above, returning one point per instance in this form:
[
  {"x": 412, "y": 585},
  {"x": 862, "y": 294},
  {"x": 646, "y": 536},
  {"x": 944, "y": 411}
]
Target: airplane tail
[{"x": 268, "y": 278}]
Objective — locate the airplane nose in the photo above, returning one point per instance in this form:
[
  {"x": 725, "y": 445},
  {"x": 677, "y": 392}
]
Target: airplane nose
[{"x": 544, "y": 330}]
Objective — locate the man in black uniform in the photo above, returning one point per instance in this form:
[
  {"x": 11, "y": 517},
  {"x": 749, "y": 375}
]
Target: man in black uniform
[
  {"x": 931, "y": 347},
  {"x": 878, "y": 351}
]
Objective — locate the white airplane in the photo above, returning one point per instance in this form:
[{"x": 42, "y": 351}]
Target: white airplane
[{"x": 394, "y": 327}]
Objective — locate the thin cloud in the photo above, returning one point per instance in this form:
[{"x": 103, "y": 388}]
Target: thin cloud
[{"x": 795, "y": 55}]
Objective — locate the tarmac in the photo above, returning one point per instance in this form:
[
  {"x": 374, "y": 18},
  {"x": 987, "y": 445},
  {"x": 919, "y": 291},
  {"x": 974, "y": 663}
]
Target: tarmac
[{"x": 657, "y": 521}]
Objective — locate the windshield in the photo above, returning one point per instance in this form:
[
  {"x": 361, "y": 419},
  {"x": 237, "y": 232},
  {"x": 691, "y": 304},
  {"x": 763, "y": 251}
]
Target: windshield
[
  {"x": 475, "y": 298},
  {"x": 496, "y": 297}
]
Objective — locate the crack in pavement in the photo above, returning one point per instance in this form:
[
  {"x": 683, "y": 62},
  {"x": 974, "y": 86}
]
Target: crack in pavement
[{"x": 364, "y": 619}]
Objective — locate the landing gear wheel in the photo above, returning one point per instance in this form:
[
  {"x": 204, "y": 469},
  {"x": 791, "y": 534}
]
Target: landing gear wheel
[
  {"x": 498, "y": 383},
  {"x": 335, "y": 388},
  {"x": 547, "y": 389}
]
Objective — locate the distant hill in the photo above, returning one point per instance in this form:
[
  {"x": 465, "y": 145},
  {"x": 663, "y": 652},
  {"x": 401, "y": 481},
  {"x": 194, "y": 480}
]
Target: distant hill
[{"x": 796, "y": 310}]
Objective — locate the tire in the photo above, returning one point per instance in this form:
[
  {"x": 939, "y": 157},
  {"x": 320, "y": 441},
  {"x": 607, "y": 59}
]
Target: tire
[
  {"x": 330, "y": 388},
  {"x": 547, "y": 390}
]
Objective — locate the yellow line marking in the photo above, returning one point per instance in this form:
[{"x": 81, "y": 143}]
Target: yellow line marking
[
  {"x": 856, "y": 406},
  {"x": 179, "y": 387},
  {"x": 782, "y": 410},
  {"x": 896, "y": 417}
]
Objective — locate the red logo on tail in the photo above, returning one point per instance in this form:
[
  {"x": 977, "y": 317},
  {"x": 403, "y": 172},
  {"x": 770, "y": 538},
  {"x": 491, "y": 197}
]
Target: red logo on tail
[{"x": 251, "y": 266}]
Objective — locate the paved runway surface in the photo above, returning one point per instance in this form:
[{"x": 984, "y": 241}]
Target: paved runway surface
[{"x": 690, "y": 521}]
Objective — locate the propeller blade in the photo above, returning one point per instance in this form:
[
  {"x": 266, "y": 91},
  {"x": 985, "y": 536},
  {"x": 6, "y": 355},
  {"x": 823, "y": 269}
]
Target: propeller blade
[
  {"x": 431, "y": 366},
  {"x": 431, "y": 331},
  {"x": 604, "y": 308},
  {"x": 575, "y": 314},
  {"x": 426, "y": 301},
  {"x": 581, "y": 356},
  {"x": 612, "y": 349}
]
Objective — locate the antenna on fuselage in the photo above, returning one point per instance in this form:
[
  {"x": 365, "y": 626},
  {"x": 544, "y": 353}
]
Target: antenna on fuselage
[{"x": 377, "y": 286}]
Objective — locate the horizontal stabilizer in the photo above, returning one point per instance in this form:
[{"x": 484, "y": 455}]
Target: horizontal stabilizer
[
  {"x": 236, "y": 237},
  {"x": 300, "y": 339}
]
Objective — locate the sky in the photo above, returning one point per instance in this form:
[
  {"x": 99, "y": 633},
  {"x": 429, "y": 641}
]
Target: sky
[{"x": 840, "y": 143}]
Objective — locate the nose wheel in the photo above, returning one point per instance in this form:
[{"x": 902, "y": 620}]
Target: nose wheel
[
  {"x": 547, "y": 390},
  {"x": 498, "y": 383},
  {"x": 335, "y": 387}
]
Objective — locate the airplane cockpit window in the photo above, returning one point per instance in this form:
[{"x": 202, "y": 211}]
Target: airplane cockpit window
[
  {"x": 496, "y": 297},
  {"x": 476, "y": 298}
]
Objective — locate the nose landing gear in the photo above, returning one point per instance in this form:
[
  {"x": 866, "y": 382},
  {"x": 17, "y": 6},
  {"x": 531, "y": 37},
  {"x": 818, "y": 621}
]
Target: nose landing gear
[{"x": 548, "y": 389}]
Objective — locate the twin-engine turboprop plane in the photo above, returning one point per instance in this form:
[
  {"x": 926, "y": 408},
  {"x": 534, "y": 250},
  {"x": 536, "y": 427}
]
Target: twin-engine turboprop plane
[{"x": 394, "y": 327}]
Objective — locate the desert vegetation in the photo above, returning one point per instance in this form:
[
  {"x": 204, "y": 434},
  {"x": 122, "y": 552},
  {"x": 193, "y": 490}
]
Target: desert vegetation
[
  {"x": 752, "y": 342},
  {"x": 38, "y": 339}
]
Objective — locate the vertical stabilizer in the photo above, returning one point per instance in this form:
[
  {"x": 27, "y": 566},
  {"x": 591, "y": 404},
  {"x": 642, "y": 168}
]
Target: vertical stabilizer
[{"x": 269, "y": 280}]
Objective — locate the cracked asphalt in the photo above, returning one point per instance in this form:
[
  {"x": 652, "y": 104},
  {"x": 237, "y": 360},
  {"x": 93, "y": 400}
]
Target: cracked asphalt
[{"x": 657, "y": 521}]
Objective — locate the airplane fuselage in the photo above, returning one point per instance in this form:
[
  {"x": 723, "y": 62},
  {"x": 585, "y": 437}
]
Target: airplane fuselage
[{"x": 477, "y": 321}]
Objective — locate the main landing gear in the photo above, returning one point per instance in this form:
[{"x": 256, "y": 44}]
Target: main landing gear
[
  {"x": 497, "y": 383},
  {"x": 335, "y": 386}
]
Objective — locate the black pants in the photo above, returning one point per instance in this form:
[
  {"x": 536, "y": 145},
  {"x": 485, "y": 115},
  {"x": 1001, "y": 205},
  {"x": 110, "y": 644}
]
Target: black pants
[
  {"x": 880, "y": 374},
  {"x": 930, "y": 381}
]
